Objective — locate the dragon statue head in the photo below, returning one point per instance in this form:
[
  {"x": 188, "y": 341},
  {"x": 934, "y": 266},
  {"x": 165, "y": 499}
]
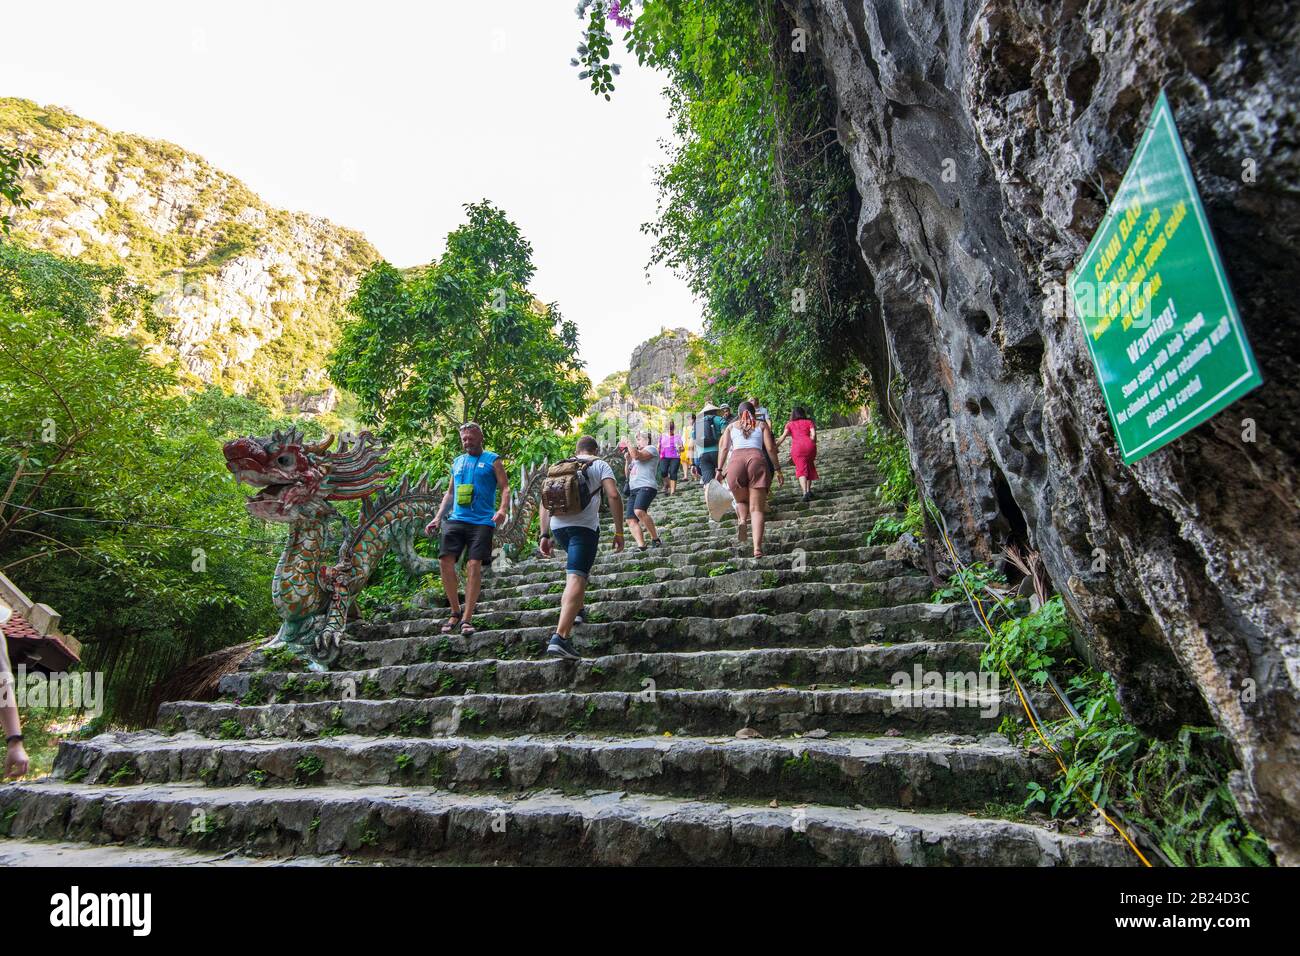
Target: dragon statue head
[{"x": 298, "y": 478}]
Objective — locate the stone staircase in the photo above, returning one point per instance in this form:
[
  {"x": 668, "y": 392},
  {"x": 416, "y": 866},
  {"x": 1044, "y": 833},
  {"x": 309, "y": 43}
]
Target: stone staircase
[{"x": 729, "y": 711}]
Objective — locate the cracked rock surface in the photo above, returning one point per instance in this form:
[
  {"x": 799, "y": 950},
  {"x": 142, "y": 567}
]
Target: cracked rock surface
[{"x": 985, "y": 136}]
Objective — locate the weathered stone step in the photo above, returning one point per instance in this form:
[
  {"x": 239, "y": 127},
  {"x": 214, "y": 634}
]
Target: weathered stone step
[
  {"x": 674, "y": 582},
  {"x": 682, "y": 712},
  {"x": 57, "y": 853},
  {"x": 777, "y": 535},
  {"x": 607, "y": 829},
  {"x": 693, "y": 513},
  {"x": 942, "y": 772},
  {"x": 825, "y": 499},
  {"x": 635, "y": 607},
  {"x": 837, "y": 548},
  {"x": 702, "y": 561},
  {"x": 865, "y": 666},
  {"x": 722, "y": 549},
  {"x": 818, "y": 628},
  {"x": 782, "y": 537}
]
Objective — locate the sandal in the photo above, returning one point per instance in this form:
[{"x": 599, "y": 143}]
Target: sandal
[
  {"x": 467, "y": 629},
  {"x": 451, "y": 624}
]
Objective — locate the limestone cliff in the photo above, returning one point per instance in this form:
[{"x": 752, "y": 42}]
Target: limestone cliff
[
  {"x": 642, "y": 396},
  {"x": 249, "y": 295},
  {"x": 659, "y": 367},
  {"x": 985, "y": 137}
]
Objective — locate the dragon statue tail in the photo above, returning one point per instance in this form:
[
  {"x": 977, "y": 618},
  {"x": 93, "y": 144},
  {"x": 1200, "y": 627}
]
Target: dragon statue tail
[{"x": 393, "y": 519}]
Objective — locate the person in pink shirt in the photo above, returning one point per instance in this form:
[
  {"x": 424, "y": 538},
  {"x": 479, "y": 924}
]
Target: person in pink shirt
[{"x": 670, "y": 458}]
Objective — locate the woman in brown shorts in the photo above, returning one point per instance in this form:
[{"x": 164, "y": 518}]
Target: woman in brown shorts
[{"x": 742, "y": 464}]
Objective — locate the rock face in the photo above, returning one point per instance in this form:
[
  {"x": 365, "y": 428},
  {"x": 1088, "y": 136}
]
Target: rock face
[
  {"x": 638, "y": 399},
  {"x": 250, "y": 295},
  {"x": 659, "y": 367},
  {"x": 982, "y": 133}
]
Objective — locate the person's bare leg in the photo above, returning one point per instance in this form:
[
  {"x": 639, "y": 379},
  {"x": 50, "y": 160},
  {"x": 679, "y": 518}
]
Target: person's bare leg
[
  {"x": 450, "y": 585},
  {"x": 575, "y": 590},
  {"x": 635, "y": 527},
  {"x": 758, "y": 512},
  {"x": 804, "y": 484},
  {"x": 645, "y": 519},
  {"x": 473, "y": 584},
  {"x": 742, "y": 515}
]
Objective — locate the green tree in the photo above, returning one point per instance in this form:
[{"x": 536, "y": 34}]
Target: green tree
[
  {"x": 12, "y": 163},
  {"x": 758, "y": 206},
  {"x": 460, "y": 339},
  {"x": 115, "y": 504}
]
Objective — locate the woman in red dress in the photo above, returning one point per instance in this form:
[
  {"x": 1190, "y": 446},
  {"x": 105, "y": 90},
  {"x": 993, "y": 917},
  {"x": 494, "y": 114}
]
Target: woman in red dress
[{"x": 803, "y": 448}]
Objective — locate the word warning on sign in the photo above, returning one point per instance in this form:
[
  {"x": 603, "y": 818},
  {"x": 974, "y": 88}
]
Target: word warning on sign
[{"x": 1153, "y": 298}]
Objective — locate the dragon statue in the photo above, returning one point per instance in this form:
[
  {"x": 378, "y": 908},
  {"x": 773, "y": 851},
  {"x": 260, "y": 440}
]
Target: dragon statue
[{"x": 328, "y": 559}]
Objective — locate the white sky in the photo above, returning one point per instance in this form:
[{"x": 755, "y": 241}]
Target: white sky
[{"x": 386, "y": 116}]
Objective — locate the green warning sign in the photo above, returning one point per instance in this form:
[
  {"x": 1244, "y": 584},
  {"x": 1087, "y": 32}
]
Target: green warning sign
[{"x": 1151, "y": 292}]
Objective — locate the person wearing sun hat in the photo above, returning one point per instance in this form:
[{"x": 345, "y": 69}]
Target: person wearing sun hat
[{"x": 708, "y": 430}]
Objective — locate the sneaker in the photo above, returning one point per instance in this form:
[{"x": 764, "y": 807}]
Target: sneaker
[
  {"x": 560, "y": 647},
  {"x": 656, "y": 543},
  {"x": 579, "y": 619}
]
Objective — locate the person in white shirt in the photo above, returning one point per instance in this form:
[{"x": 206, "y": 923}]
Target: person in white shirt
[
  {"x": 745, "y": 457},
  {"x": 643, "y": 485},
  {"x": 579, "y": 535}
]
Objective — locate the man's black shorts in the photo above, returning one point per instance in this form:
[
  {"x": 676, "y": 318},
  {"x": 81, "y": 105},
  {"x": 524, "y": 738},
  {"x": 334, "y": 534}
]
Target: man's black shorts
[
  {"x": 638, "y": 498},
  {"x": 459, "y": 535}
]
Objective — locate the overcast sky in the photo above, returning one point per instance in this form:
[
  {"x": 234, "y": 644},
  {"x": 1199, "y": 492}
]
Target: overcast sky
[{"x": 386, "y": 116}]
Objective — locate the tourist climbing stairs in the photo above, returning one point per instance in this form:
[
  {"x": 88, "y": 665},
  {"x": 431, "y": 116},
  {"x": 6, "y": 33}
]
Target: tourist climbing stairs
[{"x": 728, "y": 710}]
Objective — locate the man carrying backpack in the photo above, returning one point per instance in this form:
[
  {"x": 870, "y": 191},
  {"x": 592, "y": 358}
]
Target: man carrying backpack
[
  {"x": 570, "y": 514},
  {"x": 708, "y": 430}
]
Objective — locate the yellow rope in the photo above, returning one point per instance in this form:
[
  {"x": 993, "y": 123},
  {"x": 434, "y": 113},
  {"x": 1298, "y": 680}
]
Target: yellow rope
[{"x": 979, "y": 605}]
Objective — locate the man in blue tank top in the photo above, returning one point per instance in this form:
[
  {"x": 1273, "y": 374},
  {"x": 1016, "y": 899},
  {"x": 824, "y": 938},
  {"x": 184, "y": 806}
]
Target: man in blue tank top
[{"x": 476, "y": 477}]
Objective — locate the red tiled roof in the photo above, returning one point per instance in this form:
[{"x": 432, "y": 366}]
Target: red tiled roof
[
  {"x": 24, "y": 640},
  {"x": 17, "y": 626}
]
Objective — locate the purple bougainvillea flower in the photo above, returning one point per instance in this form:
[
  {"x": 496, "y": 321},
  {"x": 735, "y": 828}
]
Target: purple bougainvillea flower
[
  {"x": 618, "y": 16},
  {"x": 713, "y": 379},
  {"x": 731, "y": 388}
]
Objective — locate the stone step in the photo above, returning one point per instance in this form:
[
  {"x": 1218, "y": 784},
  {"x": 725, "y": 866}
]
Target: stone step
[
  {"x": 838, "y": 547},
  {"x": 777, "y": 536},
  {"x": 614, "y": 828},
  {"x": 638, "y": 607},
  {"x": 695, "y": 713},
  {"x": 724, "y": 534},
  {"x": 694, "y": 515},
  {"x": 866, "y": 486},
  {"x": 818, "y": 628},
  {"x": 700, "y": 561},
  {"x": 671, "y": 582},
  {"x": 55, "y": 853},
  {"x": 697, "y": 670},
  {"x": 952, "y": 771},
  {"x": 717, "y": 550}
]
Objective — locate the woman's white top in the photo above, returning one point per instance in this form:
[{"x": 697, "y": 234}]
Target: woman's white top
[{"x": 738, "y": 439}]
